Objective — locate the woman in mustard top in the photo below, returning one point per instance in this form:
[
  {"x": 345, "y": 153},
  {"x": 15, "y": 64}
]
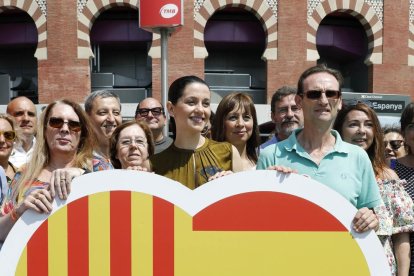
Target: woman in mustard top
[{"x": 193, "y": 159}]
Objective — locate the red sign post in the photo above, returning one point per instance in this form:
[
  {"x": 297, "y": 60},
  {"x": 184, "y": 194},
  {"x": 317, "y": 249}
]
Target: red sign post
[
  {"x": 154, "y": 14},
  {"x": 162, "y": 16}
]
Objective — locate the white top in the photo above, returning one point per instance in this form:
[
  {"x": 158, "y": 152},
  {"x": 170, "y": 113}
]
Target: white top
[{"x": 19, "y": 156}]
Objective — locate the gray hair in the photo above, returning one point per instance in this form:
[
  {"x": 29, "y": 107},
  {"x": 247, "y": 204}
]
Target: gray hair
[{"x": 99, "y": 94}]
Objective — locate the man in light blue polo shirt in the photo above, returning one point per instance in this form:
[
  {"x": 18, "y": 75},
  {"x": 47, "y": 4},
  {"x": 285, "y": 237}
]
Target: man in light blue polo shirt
[{"x": 319, "y": 152}]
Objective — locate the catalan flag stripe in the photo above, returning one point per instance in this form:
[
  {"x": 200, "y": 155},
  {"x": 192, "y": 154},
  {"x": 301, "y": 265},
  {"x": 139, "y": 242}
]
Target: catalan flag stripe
[
  {"x": 99, "y": 234},
  {"x": 58, "y": 243},
  {"x": 142, "y": 232},
  {"x": 163, "y": 237},
  {"x": 37, "y": 252},
  {"x": 78, "y": 238},
  {"x": 120, "y": 233}
]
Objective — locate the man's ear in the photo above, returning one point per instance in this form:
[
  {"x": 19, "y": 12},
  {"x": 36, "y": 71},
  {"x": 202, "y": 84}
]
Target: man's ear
[
  {"x": 170, "y": 108},
  {"x": 272, "y": 116},
  {"x": 340, "y": 103},
  {"x": 298, "y": 100}
]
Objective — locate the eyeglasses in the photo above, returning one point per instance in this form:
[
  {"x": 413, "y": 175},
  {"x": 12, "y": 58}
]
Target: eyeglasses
[
  {"x": 128, "y": 142},
  {"x": 285, "y": 110},
  {"x": 395, "y": 144},
  {"x": 143, "y": 112},
  {"x": 9, "y": 135},
  {"x": 317, "y": 94},
  {"x": 74, "y": 126}
]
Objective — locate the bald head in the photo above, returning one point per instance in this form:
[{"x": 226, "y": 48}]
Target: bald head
[
  {"x": 24, "y": 112},
  {"x": 147, "y": 111}
]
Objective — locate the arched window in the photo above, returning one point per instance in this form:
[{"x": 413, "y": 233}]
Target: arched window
[
  {"x": 342, "y": 44},
  {"x": 235, "y": 42},
  {"x": 121, "y": 62},
  {"x": 18, "y": 66}
]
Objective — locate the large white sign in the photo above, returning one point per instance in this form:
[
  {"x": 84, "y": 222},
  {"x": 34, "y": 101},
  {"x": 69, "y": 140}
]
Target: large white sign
[{"x": 135, "y": 223}]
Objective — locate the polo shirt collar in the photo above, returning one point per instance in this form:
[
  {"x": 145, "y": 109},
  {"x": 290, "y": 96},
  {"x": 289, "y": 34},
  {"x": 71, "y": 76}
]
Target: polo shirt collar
[{"x": 292, "y": 142}]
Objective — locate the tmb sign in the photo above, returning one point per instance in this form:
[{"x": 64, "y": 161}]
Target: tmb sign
[{"x": 160, "y": 14}]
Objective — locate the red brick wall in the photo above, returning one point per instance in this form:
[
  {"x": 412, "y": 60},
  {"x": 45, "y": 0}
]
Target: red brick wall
[
  {"x": 291, "y": 61},
  {"x": 394, "y": 76},
  {"x": 62, "y": 75}
]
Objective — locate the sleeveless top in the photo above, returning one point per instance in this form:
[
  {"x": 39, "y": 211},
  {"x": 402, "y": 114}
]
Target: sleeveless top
[{"x": 192, "y": 168}]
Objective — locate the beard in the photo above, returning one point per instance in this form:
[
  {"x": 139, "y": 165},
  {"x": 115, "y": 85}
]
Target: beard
[{"x": 286, "y": 128}]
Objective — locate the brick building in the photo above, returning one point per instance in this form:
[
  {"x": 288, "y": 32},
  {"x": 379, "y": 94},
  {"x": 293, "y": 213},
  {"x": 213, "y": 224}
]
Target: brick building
[{"x": 66, "y": 48}]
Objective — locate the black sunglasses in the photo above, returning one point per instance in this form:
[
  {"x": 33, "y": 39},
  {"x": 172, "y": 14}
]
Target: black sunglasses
[
  {"x": 74, "y": 126},
  {"x": 395, "y": 144},
  {"x": 9, "y": 135},
  {"x": 143, "y": 112},
  {"x": 317, "y": 94}
]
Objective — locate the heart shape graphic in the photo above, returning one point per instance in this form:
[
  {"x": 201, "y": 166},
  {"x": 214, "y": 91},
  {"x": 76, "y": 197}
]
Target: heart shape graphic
[{"x": 251, "y": 223}]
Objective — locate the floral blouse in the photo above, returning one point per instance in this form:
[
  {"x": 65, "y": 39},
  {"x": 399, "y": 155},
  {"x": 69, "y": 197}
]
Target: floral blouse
[{"x": 395, "y": 216}]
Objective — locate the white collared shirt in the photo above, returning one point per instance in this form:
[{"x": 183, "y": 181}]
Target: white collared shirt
[{"x": 19, "y": 156}]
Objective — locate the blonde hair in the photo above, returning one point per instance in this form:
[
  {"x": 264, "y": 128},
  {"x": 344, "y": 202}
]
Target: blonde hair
[
  {"x": 10, "y": 120},
  {"x": 41, "y": 154}
]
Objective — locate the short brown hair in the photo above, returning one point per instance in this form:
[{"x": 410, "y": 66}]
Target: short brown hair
[
  {"x": 320, "y": 68},
  {"x": 115, "y": 137},
  {"x": 280, "y": 94}
]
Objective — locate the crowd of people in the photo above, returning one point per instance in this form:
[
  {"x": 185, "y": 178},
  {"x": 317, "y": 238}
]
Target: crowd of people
[{"x": 341, "y": 145}]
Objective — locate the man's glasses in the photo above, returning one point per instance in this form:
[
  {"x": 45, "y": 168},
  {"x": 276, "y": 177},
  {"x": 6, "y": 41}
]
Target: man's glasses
[
  {"x": 74, "y": 126},
  {"x": 317, "y": 94},
  {"x": 395, "y": 144},
  {"x": 285, "y": 110},
  {"x": 9, "y": 135},
  {"x": 143, "y": 112}
]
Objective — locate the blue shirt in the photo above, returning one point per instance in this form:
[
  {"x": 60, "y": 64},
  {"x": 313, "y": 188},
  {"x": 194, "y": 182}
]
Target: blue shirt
[
  {"x": 346, "y": 169},
  {"x": 269, "y": 142}
]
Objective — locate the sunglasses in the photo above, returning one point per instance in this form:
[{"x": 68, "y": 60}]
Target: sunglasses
[
  {"x": 395, "y": 144},
  {"x": 9, "y": 135},
  {"x": 74, "y": 126},
  {"x": 317, "y": 94},
  {"x": 143, "y": 112}
]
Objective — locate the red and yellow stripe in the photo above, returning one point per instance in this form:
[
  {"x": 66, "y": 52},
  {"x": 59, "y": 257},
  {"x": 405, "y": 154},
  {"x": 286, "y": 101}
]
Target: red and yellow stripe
[{"x": 130, "y": 233}]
